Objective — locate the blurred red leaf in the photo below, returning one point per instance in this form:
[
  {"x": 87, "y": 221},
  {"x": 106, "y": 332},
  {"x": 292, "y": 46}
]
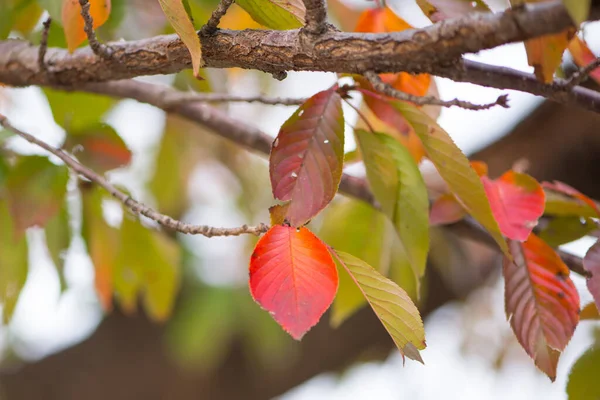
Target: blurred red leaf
[
  {"x": 293, "y": 276},
  {"x": 36, "y": 190},
  {"x": 563, "y": 188},
  {"x": 99, "y": 148},
  {"x": 582, "y": 55},
  {"x": 307, "y": 156},
  {"x": 517, "y": 202},
  {"x": 591, "y": 262},
  {"x": 446, "y": 210},
  {"x": 541, "y": 301}
]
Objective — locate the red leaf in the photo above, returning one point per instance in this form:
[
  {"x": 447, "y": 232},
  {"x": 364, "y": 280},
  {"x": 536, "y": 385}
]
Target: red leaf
[
  {"x": 572, "y": 192},
  {"x": 293, "y": 276},
  {"x": 541, "y": 301},
  {"x": 583, "y": 56},
  {"x": 517, "y": 202},
  {"x": 591, "y": 262},
  {"x": 307, "y": 156}
]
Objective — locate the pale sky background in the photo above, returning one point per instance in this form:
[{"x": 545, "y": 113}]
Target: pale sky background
[{"x": 46, "y": 322}]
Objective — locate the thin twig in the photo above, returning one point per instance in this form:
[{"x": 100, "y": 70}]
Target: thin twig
[
  {"x": 316, "y": 16},
  {"x": 361, "y": 115},
  {"x": 44, "y": 44},
  {"x": 580, "y": 76},
  {"x": 213, "y": 22},
  {"x": 130, "y": 203},
  {"x": 98, "y": 48},
  {"x": 379, "y": 85},
  {"x": 192, "y": 97}
]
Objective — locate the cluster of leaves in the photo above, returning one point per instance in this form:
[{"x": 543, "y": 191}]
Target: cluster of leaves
[{"x": 294, "y": 275}]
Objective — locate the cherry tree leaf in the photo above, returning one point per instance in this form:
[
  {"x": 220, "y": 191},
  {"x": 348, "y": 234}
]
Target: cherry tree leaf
[
  {"x": 58, "y": 239},
  {"x": 455, "y": 169},
  {"x": 275, "y": 14},
  {"x": 517, "y": 202},
  {"x": 561, "y": 230},
  {"x": 77, "y": 111},
  {"x": 399, "y": 187},
  {"x": 438, "y": 10},
  {"x": 446, "y": 210},
  {"x": 307, "y": 156},
  {"x": 36, "y": 190},
  {"x": 582, "y": 55},
  {"x": 293, "y": 277},
  {"x": 589, "y": 312},
  {"x": 541, "y": 301},
  {"x": 179, "y": 19},
  {"x": 101, "y": 241},
  {"x": 591, "y": 263},
  {"x": 13, "y": 262},
  {"x": 563, "y": 188},
  {"x": 394, "y": 308},
  {"x": 73, "y": 21},
  {"x": 583, "y": 379},
  {"x": 578, "y": 9},
  {"x": 99, "y": 148}
]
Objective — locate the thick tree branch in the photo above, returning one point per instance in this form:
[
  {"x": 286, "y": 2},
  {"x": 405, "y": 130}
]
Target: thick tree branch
[
  {"x": 254, "y": 139},
  {"x": 130, "y": 203},
  {"x": 412, "y": 51}
]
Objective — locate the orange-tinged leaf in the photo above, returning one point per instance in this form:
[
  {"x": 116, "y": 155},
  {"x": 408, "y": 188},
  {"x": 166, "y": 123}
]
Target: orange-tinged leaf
[
  {"x": 73, "y": 21},
  {"x": 589, "y": 312},
  {"x": 517, "y": 202},
  {"x": 545, "y": 53},
  {"x": 563, "y": 188},
  {"x": 307, "y": 157},
  {"x": 99, "y": 148},
  {"x": 582, "y": 55},
  {"x": 541, "y": 301},
  {"x": 591, "y": 262},
  {"x": 179, "y": 19},
  {"x": 36, "y": 189},
  {"x": 277, "y": 213},
  {"x": 438, "y": 10},
  {"x": 293, "y": 276},
  {"x": 480, "y": 167},
  {"x": 446, "y": 210},
  {"x": 394, "y": 308}
]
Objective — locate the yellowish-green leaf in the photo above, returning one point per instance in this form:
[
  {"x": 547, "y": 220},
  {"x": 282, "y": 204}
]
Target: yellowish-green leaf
[
  {"x": 561, "y": 230},
  {"x": 391, "y": 304},
  {"x": 77, "y": 111},
  {"x": 353, "y": 227},
  {"x": 182, "y": 24},
  {"x": 455, "y": 169},
  {"x": 583, "y": 379},
  {"x": 275, "y": 14},
  {"x": 562, "y": 205},
  {"x": 58, "y": 239},
  {"x": 578, "y": 9},
  {"x": 399, "y": 187},
  {"x": 13, "y": 263}
]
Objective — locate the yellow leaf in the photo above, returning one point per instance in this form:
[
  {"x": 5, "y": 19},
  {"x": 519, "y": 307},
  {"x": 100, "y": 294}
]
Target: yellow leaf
[
  {"x": 73, "y": 21},
  {"x": 182, "y": 24}
]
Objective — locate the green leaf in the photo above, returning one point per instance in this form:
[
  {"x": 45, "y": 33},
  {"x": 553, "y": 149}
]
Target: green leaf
[
  {"x": 148, "y": 263},
  {"x": 98, "y": 147},
  {"x": 77, "y": 111},
  {"x": 455, "y": 169},
  {"x": 399, "y": 187},
  {"x": 13, "y": 263},
  {"x": 561, "y": 230},
  {"x": 562, "y": 205},
  {"x": 578, "y": 9},
  {"x": 36, "y": 190},
  {"x": 275, "y": 14},
  {"x": 179, "y": 19},
  {"x": 344, "y": 228},
  {"x": 583, "y": 379},
  {"x": 391, "y": 304},
  {"x": 101, "y": 241},
  {"x": 58, "y": 239},
  {"x": 54, "y": 8}
]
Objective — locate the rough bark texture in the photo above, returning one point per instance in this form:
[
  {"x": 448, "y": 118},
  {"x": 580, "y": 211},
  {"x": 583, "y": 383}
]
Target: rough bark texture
[{"x": 277, "y": 51}]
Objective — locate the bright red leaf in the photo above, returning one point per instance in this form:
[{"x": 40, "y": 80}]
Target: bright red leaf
[
  {"x": 591, "y": 262},
  {"x": 570, "y": 191},
  {"x": 541, "y": 301},
  {"x": 307, "y": 156},
  {"x": 293, "y": 276},
  {"x": 517, "y": 202},
  {"x": 582, "y": 55}
]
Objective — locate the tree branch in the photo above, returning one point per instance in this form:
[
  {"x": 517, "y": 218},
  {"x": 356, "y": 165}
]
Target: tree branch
[
  {"x": 213, "y": 22},
  {"x": 254, "y": 139},
  {"x": 580, "y": 76},
  {"x": 98, "y": 48},
  {"x": 388, "y": 90},
  {"x": 415, "y": 51},
  {"x": 175, "y": 98},
  {"x": 130, "y": 203},
  {"x": 44, "y": 44},
  {"x": 316, "y": 16}
]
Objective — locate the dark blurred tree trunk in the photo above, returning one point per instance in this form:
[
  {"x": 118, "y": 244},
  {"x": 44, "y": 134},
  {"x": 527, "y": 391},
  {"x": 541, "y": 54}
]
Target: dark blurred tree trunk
[{"x": 125, "y": 358}]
